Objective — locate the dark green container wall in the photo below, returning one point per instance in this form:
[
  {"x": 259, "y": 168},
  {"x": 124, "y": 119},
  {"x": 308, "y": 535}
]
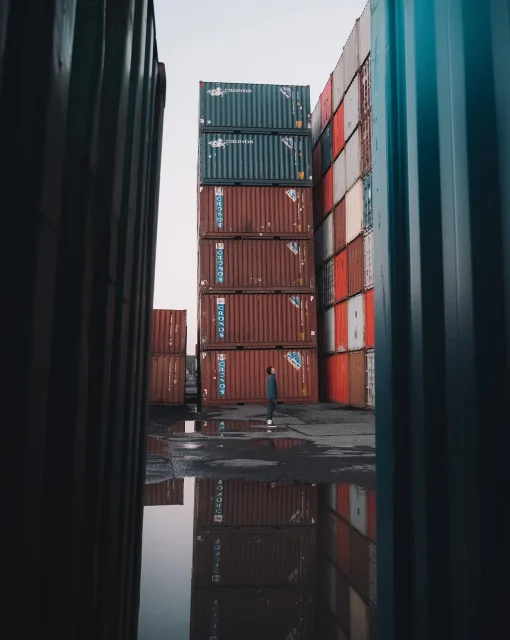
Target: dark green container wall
[
  {"x": 441, "y": 170},
  {"x": 79, "y": 177},
  {"x": 254, "y": 159},
  {"x": 326, "y": 149},
  {"x": 260, "y": 107}
]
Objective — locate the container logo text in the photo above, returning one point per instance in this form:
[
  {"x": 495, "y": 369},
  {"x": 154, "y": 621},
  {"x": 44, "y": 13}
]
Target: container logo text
[
  {"x": 223, "y": 144},
  {"x": 286, "y": 91},
  {"x": 218, "y": 502},
  {"x": 220, "y": 318},
  {"x": 216, "y": 575},
  {"x": 292, "y": 193},
  {"x": 222, "y": 375},
  {"x": 293, "y": 246},
  {"x": 222, "y": 427},
  {"x": 220, "y": 263},
  {"x": 288, "y": 142},
  {"x": 220, "y": 93},
  {"x": 296, "y": 301},
  {"x": 294, "y": 357},
  {"x": 215, "y": 620},
  {"x": 218, "y": 198}
]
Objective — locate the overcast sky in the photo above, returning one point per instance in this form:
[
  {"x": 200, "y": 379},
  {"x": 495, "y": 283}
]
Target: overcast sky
[{"x": 275, "y": 42}]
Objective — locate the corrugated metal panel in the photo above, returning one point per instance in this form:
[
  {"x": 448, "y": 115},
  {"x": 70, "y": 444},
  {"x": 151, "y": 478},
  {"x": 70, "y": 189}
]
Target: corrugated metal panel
[
  {"x": 167, "y": 380},
  {"x": 359, "y": 618},
  {"x": 338, "y": 131},
  {"x": 351, "y": 108},
  {"x": 341, "y": 276},
  {"x": 372, "y": 515},
  {"x": 241, "y": 503},
  {"x": 317, "y": 205},
  {"x": 317, "y": 163},
  {"x": 256, "y": 265},
  {"x": 344, "y": 608},
  {"x": 257, "y": 320},
  {"x": 352, "y": 160},
  {"x": 368, "y": 216},
  {"x": 360, "y": 564},
  {"x": 341, "y": 327},
  {"x": 337, "y": 388},
  {"x": 368, "y": 242},
  {"x": 354, "y": 212},
  {"x": 253, "y": 558},
  {"x": 168, "y": 331},
  {"x": 332, "y": 588},
  {"x": 327, "y": 192},
  {"x": 327, "y": 148},
  {"x": 357, "y": 377},
  {"x": 245, "y": 158},
  {"x": 331, "y": 502},
  {"x": 372, "y": 553},
  {"x": 369, "y": 318},
  {"x": 240, "y": 376},
  {"x": 316, "y": 123},
  {"x": 326, "y": 103},
  {"x": 329, "y": 330},
  {"x": 339, "y": 226},
  {"x": 343, "y": 532},
  {"x": 327, "y": 283},
  {"x": 371, "y": 378},
  {"x": 328, "y": 238},
  {"x": 339, "y": 179},
  {"x": 364, "y": 33},
  {"x": 259, "y": 107},
  {"x": 250, "y": 211},
  {"x": 169, "y": 492},
  {"x": 351, "y": 55},
  {"x": 365, "y": 90},
  {"x": 318, "y": 244},
  {"x": 358, "y": 504},
  {"x": 338, "y": 83},
  {"x": 355, "y": 262},
  {"x": 357, "y": 326},
  {"x": 343, "y": 500},
  {"x": 366, "y": 144}
]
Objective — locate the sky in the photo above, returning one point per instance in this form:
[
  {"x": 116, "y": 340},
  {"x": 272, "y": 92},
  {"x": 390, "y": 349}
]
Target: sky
[{"x": 273, "y": 42}]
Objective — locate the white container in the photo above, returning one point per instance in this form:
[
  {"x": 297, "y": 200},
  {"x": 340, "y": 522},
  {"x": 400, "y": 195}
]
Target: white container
[
  {"x": 351, "y": 108},
  {"x": 354, "y": 212},
  {"x": 328, "y": 239},
  {"x": 339, "y": 178},
  {"x": 371, "y": 379},
  {"x": 351, "y": 55},
  {"x": 352, "y": 160},
  {"x": 316, "y": 123},
  {"x": 359, "y": 617},
  {"x": 329, "y": 330},
  {"x": 364, "y": 34},
  {"x": 372, "y": 559},
  {"x": 358, "y": 508},
  {"x": 368, "y": 249},
  {"x": 356, "y": 326},
  {"x": 338, "y": 83}
]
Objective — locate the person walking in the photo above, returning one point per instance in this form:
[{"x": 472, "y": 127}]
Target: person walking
[{"x": 272, "y": 394}]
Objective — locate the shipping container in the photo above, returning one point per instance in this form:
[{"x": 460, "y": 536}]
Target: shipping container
[
  {"x": 256, "y": 265},
  {"x": 326, "y": 103},
  {"x": 241, "y": 503},
  {"x": 368, "y": 244},
  {"x": 338, "y": 131},
  {"x": 360, "y": 564},
  {"x": 327, "y": 192},
  {"x": 339, "y": 226},
  {"x": 357, "y": 326},
  {"x": 344, "y": 604},
  {"x": 343, "y": 500},
  {"x": 254, "y": 159},
  {"x": 372, "y": 515},
  {"x": 325, "y": 235},
  {"x": 339, "y": 180},
  {"x": 341, "y": 327},
  {"x": 257, "y": 320},
  {"x": 351, "y": 56},
  {"x": 252, "y": 211},
  {"x": 343, "y": 532},
  {"x": 168, "y": 332},
  {"x": 167, "y": 379},
  {"x": 317, "y": 205},
  {"x": 359, "y": 617},
  {"x": 364, "y": 34},
  {"x": 317, "y": 163},
  {"x": 370, "y": 377},
  {"x": 169, "y": 492},
  {"x": 316, "y": 123},
  {"x": 352, "y": 160},
  {"x": 240, "y": 376},
  {"x": 226, "y": 106},
  {"x": 354, "y": 212},
  {"x": 357, "y": 377},
  {"x": 326, "y": 148},
  {"x": 254, "y": 557},
  {"x": 332, "y": 545},
  {"x": 366, "y": 145},
  {"x": 372, "y": 558},
  {"x": 365, "y": 90},
  {"x": 351, "y": 108},
  {"x": 327, "y": 284},
  {"x": 369, "y": 319},
  {"x": 356, "y": 270},
  {"x": 341, "y": 276},
  {"x": 368, "y": 217},
  {"x": 329, "y": 330},
  {"x": 338, "y": 83},
  {"x": 337, "y": 383},
  {"x": 358, "y": 508}
]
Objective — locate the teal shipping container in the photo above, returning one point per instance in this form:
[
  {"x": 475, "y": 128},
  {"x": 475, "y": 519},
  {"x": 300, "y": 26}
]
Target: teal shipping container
[
  {"x": 326, "y": 149},
  {"x": 264, "y": 108},
  {"x": 230, "y": 159}
]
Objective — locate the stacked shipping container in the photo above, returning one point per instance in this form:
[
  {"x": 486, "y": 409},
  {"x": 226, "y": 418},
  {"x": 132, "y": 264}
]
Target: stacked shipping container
[
  {"x": 344, "y": 244},
  {"x": 168, "y": 357},
  {"x": 256, "y": 281}
]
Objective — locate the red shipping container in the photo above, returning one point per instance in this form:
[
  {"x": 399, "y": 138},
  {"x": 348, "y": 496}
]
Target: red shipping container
[
  {"x": 239, "y": 376},
  {"x": 372, "y": 515},
  {"x": 366, "y": 145},
  {"x": 250, "y": 211},
  {"x": 369, "y": 319},
  {"x": 326, "y": 104},
  {"x": 341, "y": 276},
  {"x": 338, "y": 381},
  {"x": 339, "y": 224},
  {"x": 357, "y": 375},
  {"x": 356, "y": 268},
  {"x": 166, "y": 493},
  {"x": 256, "y": 265},
  {"x": 317, "y": 163},
  {"x": 338, "y": 131},
  {"x": 341, "y": 327},
  {"x": 327, "y": 192},
  {"x": 168, "y": 331},
  {"x": 343, "y": 532},
  {"x": 365, "y": 98},
  {"x": 257, "y": 320},
  {"x": 168, "y": 379},
  {"x": 343, "y": 500}
]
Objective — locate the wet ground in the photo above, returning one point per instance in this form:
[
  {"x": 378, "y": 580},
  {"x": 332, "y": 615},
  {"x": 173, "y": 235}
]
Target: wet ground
[{"x": 258, "y": 533}]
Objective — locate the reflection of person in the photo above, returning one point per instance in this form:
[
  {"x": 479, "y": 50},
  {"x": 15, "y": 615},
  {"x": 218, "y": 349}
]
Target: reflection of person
[{"x": 272, "y": 393}]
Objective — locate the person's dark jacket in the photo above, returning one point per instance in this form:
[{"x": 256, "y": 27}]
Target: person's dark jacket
[{"x": 272, "y": 388}]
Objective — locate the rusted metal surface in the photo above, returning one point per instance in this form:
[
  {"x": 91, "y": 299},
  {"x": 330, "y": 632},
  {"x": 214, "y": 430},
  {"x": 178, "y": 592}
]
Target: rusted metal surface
[
  {"x": 169, "y": 492},
  {"x": 339, "y": 226},
  {"x": 357, "y": 379},
  {"x": 341, "y": 327},
  {"x": 366, "y": 145},
  {"x": 338, "y": 132},
  {"x": 240, "y": 376},
  {"x": 254, "y": 557},
  {"x": 341, "y": 276},
  {"x": 169, "y": 332},
  {"x": 326, "y": 103},
  {"x": 250, "y": 211},
  {"x": 365, "y": 89},
  {"x": 256, "y": 265},
  {"x": 337, "y": 381},
  {"x": 239, "y": 503},
  {"x": 356, "y": 266},
  {"x": 168, "y": 379},
  {"x": 257, "y": 320}
]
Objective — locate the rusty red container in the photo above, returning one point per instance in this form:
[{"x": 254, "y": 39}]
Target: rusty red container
[
  {"x": 239, "y": 503},
  {"x": 326, "y": 103},
  {"x": 250, "y": 211},
  {"x": 169, "y": 492},
  {"x": 339, "y": 226},
  {"x": 168, "y": 379},
  {"x": 337, "y": 387},
  {"x": 230, "y": 377},
  {"x": 256, "y": 265},
  {"x": 168, "y": 331},
  {"x": 343, "y": 500},
  {"x": 341, "y": 275},
  {"x": 357, "y": 377},
  {"x": 338, "y": 131},
  {"x": 369, "y": 319},
  {"x": 356, "y": 266},
  {"x": 257, "y": 320}
]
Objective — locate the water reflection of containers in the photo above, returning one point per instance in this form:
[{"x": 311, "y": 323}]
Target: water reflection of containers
[
  {"x": 168, "y": 492},
  {"x": 360, "y": 563}
]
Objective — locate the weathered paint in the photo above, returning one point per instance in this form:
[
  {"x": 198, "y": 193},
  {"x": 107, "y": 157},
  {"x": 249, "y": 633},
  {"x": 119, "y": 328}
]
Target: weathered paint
[
  {"x": 365, "y": 90},
  {"x": 354, "y": 212},
  {"x": 341, "y": 327},
  {"x": 337, "y": 378},
  {"x": 326, "y": 148},
  {"x": 364, "y": 34},
  {"x": 365, "y": 134},
  {"x": 351, "y": 108},
  {"x": 338, "y": 127},
  {"x": 169, "y": 492},
  {"x": 355, "y": 266},
  {"x": 338, "y": 83},
  {"x": 368, "y": 215},
  {"x": 169, "y": 332},
  {"x": 368, "y": 249},
  {"x": 326, "y": 103},
  {"x": 339, "y": 226},
  {"x": 369, "y": 319},
  {"x": 341, "y": 276},
  {"x": 168, "y": 379},
  {"x": 357, "y": 379},
  {"x": 339, "y": 179},
  {"x": 370, "y": 376},
  {"x": 356, "y": 321}
]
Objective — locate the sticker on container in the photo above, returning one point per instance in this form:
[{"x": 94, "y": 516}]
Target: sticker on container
[
  {"x": 288, "y": 142},
  {"x": 294, "y": 357},
  {"x": 220, "y": 263},
  {"x": 218, "y": 501},
  {"x": 296, "y": 301},
  {"x": 222, "y": 427},
  {"x": 222, "y": 375},
  {"x": 218, "y": 201},
  {"x": 286, "y": 91},
  {"x": 220, "y": 318},
  {"x": 216, "y": 552},
  {"x": 299, "y": 124},
  {"x": 292, "y": 193},
  {"x": 293, "y": 246}
]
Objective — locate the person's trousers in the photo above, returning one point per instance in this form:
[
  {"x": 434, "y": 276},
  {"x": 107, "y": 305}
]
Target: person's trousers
[{"x": 270, "y": 409}]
